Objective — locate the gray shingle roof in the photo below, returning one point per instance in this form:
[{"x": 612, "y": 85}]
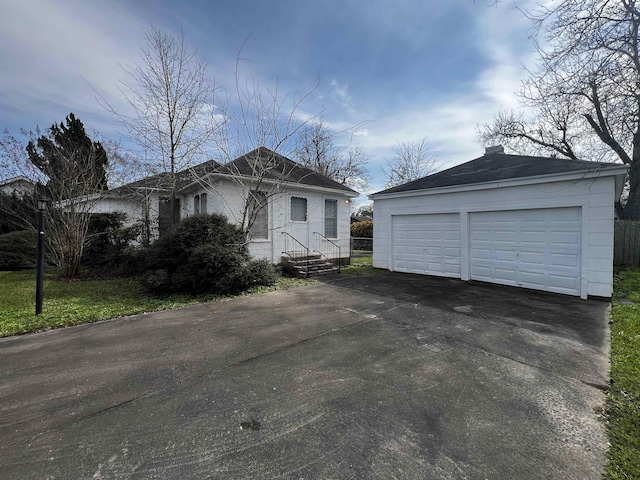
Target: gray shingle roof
[
  {"x": 261, "y": 161},
  {"x": 163, "y": 181},
  {"x": 498, "y": 166},
  {"x": 273, "y": 166}
]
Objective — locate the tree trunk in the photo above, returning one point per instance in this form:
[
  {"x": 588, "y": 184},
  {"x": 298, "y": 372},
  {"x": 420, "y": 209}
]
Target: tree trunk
[{"x": 632, "y": 208}]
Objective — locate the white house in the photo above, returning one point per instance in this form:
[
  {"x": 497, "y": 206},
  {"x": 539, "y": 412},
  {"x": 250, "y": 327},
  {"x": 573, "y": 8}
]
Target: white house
[
  {"x": 532, "y": 222},
  {"x": 19, "y": 185},
  {"x": 289, "y": 208}
]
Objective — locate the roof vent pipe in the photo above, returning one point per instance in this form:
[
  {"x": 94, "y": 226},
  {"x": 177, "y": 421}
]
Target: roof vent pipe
[{"x": 494, "y": 149}]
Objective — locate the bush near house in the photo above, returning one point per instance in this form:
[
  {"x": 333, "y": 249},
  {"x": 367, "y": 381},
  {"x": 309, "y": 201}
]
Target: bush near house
[
  {"x": 18, "y": 250},
  {"x": 204, "y": 254},
  {"x": 362, "y": 229},
  {"x": 108, "y": 243}
]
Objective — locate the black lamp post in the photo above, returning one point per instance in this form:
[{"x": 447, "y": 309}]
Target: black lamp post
[{"x": 42, "y": 204}]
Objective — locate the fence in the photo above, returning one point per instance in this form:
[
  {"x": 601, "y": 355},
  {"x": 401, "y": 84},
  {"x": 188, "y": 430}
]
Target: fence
[
  {"x": 362, "y": 244},
  {"x": 626, "y": 244}
]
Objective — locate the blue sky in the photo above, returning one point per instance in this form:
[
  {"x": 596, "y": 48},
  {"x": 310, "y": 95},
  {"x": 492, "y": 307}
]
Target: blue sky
[{"x": 405, "y": 69}]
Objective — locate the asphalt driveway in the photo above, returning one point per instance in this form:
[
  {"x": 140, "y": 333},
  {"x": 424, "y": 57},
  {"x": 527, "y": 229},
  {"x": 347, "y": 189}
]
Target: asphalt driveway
[{"x": 378, "y": 376}]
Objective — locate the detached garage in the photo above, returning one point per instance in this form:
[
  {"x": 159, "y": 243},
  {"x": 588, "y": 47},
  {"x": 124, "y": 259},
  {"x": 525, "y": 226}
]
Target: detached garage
[{"x": 531, "y": 222}]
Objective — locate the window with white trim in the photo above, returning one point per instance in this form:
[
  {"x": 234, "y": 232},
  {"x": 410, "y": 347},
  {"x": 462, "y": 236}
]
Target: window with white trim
[
  {"x": 331, "y": 218},
  {"x": 298, "y": 209},
  {"x": 196, "y": 204},
  {"x": 259, "y": 212}
]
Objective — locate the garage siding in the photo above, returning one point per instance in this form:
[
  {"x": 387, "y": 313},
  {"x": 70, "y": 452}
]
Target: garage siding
[{"x": 594, "y": 197}]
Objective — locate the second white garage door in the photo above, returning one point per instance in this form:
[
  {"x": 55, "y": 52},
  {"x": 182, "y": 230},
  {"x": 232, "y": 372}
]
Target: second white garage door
[
  {"x": 537, "y": 249},
  {"x": 428, "y": 244}
]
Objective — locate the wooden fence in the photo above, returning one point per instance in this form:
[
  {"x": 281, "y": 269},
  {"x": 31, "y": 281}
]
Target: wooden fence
[{"x": 626, "y": 242}]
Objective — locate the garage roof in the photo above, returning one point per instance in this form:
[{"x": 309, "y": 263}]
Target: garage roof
[{"x": 493, "y": 167}]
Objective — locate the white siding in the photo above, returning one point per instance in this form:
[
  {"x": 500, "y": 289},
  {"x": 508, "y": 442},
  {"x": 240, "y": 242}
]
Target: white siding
[
  {"x": 595, "y": 197},
  {"x": 228, "y": 198}
]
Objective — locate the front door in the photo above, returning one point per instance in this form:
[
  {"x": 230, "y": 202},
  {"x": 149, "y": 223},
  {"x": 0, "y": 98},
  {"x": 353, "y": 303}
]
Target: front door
[{"x": 298, "y": 222}]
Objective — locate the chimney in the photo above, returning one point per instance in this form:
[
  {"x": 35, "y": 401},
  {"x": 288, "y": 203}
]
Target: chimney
[{"x": 494, "y": 149}]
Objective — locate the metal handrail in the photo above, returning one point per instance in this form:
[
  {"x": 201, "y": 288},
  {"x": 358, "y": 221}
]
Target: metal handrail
[
  {"x": 292, "y": 253},
  {"x": 332, "y": 243}
]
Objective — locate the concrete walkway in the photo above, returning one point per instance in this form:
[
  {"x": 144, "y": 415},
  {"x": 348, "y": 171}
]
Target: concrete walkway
[{"x": 379, "y": 376}]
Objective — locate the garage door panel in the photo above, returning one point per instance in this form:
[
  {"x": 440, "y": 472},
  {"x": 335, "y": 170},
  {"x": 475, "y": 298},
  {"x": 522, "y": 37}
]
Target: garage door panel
[
  {"x": 567, "y": 260},
  {"x": 428, "y": 244},
  {"x": 535, "y": 258},
  {"x": 537, "y": 249},
  {"x": 504, "y": 274},
  {"x": 559, "y": 281},
  {"x": 565, "y": 238}
]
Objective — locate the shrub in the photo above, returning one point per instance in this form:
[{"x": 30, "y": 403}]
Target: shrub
[
  {"x": 18, "y": 250},
  {"x": 107, "y": 241},
  {"x": 204, "y": 254},
  {"x": 260, "y": 272},
  {"x": 362, "y": 229},
  {"x": 17, "y": 213}
]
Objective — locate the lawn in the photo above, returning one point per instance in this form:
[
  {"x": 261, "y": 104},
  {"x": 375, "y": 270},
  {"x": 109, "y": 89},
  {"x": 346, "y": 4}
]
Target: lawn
[
  {"x": 74, "y": 302},
  {"x": 623, "y": 406}
]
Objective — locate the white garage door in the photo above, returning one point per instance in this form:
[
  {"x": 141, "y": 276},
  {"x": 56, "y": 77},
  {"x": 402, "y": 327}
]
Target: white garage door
[
  {"x": 428, "y": 244},
  {"x": 537, "y": 249}
]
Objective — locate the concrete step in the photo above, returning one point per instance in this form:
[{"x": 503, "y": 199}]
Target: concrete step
[
  {"x": 307, "y": 266},
  {"x": 300, "y": 258},
  {"x": 313, "y": 266},
  {"x": 314, "y": 273}
]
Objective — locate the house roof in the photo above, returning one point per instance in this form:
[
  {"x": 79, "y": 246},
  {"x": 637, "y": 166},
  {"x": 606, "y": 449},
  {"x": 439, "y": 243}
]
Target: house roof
[
  {"x": 18, "y": 179},
  {"x": 266, "y": 163},
  {"x": 494, "y": 167},
  {"x": 273, "y": 166},
  {"x": 163, "y": 181}
]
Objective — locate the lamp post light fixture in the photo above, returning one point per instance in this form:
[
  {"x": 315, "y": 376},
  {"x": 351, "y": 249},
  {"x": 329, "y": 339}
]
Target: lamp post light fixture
[{"x": 42, "y": 205}]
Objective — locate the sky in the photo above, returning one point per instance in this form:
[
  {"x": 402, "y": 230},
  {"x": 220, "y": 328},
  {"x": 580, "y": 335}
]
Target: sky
[{"x": 401, "y": 70}]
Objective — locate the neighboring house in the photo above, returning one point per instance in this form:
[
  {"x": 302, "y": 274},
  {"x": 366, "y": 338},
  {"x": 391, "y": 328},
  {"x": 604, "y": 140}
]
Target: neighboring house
[
  {"x": 361, "y": 218},
  {"x": 533, "y": 222},
  {"x": 288, "y": 202},
  {"x": 20, "y": 185}
]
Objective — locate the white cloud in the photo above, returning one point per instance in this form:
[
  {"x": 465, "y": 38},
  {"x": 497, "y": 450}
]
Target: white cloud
[
  {"x": 449, "y": 121},
  {"x": 340, "y": 94},
  {"x": 51, "y": 46}
]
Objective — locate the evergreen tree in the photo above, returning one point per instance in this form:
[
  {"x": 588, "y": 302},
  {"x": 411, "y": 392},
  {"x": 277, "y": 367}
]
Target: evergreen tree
[{"x": 72, "y": 162}]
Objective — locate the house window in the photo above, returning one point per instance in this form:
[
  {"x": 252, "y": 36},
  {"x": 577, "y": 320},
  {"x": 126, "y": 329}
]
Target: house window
[
  {"x": 203, "y": 203},
  {"x": 298, "y": 209},
  {"x": 200, "y": 203},
  {"x": 259, "y": 215},
  {"x": 331, "y": 218}
]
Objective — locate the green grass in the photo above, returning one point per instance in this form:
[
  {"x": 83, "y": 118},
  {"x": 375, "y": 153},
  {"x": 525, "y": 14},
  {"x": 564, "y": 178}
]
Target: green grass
[
  {"x": 358, "y": 260},
  {"x": 69, "y": 303},
  {"x": 623, "y": 405}
]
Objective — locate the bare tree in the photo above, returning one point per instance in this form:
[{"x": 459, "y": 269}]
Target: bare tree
[
  {"x": 263, "y": 125},
  {"x": 413, "y": 160},
  {"x": 319, "y": 152},
  {"x": 583, "y": 98},
  {"x": 171, "y": 98}
]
